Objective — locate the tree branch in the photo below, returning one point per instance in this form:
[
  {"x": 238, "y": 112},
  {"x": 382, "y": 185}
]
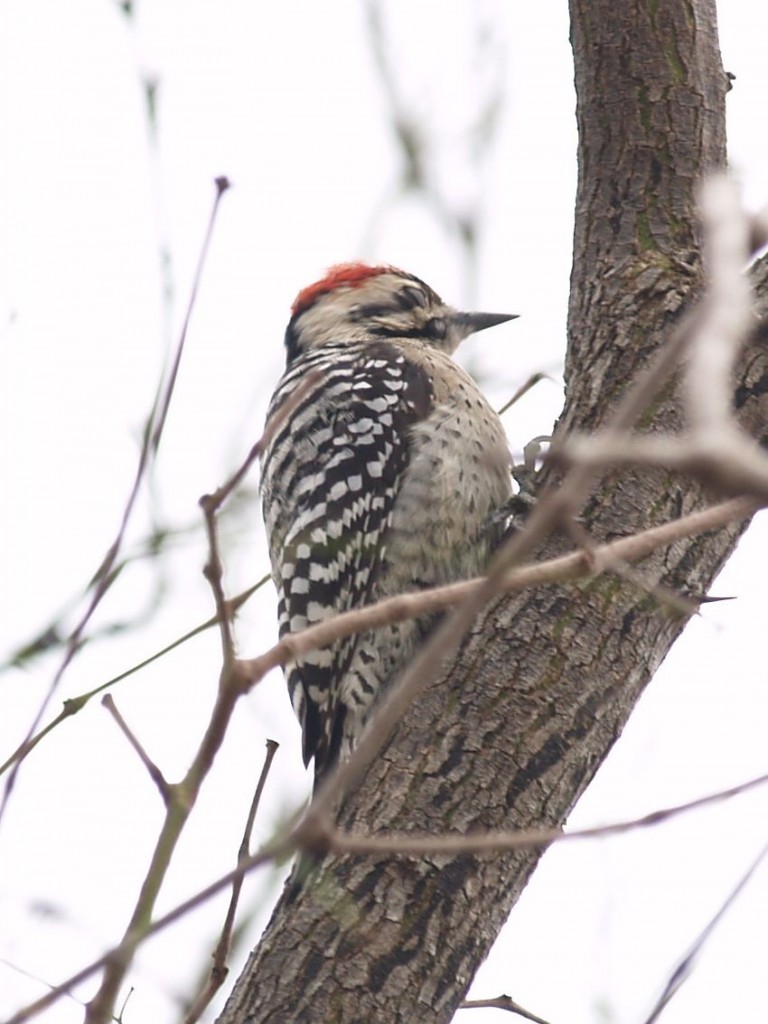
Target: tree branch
[{"x": 513, "y": 730}]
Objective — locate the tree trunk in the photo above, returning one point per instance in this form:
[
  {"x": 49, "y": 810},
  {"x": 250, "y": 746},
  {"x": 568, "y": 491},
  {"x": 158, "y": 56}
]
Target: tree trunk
[{"x": 511, "y": 735}]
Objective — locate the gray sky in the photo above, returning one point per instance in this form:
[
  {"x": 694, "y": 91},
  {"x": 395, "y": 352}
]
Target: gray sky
[{"x": 287, "y": 103}]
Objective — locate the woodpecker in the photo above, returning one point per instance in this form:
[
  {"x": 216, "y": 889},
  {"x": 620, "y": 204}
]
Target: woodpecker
[{"x": 381, "y": 479}]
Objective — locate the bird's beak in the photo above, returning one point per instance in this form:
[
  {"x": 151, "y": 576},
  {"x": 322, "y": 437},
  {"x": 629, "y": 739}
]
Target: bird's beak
[{"x": 470, "y": 323}]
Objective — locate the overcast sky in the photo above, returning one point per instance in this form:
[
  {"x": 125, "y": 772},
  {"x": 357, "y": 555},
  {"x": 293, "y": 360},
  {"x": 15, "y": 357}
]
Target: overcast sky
[{"x": 286, "y": 100}]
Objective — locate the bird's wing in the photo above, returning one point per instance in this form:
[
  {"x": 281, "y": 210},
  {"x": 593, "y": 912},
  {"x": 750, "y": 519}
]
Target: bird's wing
[{"x": 336, "y": 463}]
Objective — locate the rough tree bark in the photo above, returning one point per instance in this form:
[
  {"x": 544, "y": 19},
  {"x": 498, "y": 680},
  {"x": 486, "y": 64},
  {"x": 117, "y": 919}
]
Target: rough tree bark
[{"x": 510, "y": 736}]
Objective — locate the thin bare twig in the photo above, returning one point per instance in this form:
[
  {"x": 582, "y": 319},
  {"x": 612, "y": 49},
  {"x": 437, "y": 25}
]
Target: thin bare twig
[
  {"x": 152, "y": 769},
  {"x": 299, "y": 835},
  {"x": 313, "y": 828},
  {"x": 501, "y": 1003},
  {"x": 290, "y": 839},
  {"x": 582, "y": 475},
  {"x": 38, "y": 980},
  {"x": 211, "y": 503},
  {"x": 222, "y": 184},
  {"x": 75, "y": 704},
  {"x": 121, "y": 955},
  {"x": 103, "y": 578},
  {"x": 182, "y": 799},
  {"x": 561, "y": 569},
  {"x": 733, "y": 461},
  {"x": 179, "y": 798},
  {"x": 183, "y": 796},
  {"x": 713, "y": 448},
  {"x": 273, "y": 424},
  {"x": 727, "y": 307},
  {"x": 684, "y": 968},
  {"x": 495, "y": 842},
  {"x": 550, "y": 513},
  {"x": 555, "y": 506},
  {"x": 663, "y": 595},
  {"x": 214, "y": 573},
  {"x": 121, "y": 1011},
  {"x": 219, "y": 969},
  {"x": 524, "y": 388},
  {"x": 445, "y": 640}
]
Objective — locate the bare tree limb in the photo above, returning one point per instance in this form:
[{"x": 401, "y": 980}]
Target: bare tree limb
[
  {"x": 560, "y": 569},
  {"x": 519, "y": 719},
  {"x": 152, "y": 769}
]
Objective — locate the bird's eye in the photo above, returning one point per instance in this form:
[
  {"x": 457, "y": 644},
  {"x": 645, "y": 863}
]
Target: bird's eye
[
  {"x": 436, "y": 328},
  {"x": 409, "y": 297}
]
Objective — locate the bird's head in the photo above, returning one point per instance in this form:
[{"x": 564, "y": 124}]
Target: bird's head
[{"x": 356, "y": 302}]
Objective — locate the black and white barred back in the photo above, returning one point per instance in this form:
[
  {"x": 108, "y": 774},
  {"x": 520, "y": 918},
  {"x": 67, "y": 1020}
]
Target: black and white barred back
[{"x": 380, "y": 480}]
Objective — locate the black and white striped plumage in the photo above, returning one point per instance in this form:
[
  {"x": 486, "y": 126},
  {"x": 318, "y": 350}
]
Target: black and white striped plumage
[{"x": 379, "y": 481}]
